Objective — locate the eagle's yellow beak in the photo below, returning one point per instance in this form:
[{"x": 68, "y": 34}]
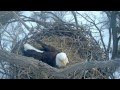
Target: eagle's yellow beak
[{"x": 64, "y": 62}]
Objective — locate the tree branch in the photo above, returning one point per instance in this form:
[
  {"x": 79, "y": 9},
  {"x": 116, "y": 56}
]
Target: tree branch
[
  {"x": 93, "y": 22},
  {"x": 75, "y": 17},
  {"x": 17, "y": 17},
  {"x": 118, "y": 38},
  {"x": 39, "y": 66},
  {"x": 87, "y": 66}
]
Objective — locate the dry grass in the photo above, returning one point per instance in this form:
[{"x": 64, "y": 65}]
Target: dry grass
[
  {"x": 66, "y": 44},
  {"x": 77, "y": 49},
  {"x": 63, "y": 43}
]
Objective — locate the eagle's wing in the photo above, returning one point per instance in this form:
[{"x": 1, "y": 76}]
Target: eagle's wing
[{"x": 48, "y": 47}]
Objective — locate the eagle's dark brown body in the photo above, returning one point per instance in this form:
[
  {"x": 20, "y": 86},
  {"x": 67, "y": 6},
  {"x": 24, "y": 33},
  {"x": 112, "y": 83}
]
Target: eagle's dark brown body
[{"x": 48, "y": 56}]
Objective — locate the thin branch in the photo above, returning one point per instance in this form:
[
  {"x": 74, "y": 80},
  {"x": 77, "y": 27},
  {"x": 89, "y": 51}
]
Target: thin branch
[
  {"x": 93, "y": 22},
  {"x": 75, "y": 17},
  {"x": 17, "y": 17}
]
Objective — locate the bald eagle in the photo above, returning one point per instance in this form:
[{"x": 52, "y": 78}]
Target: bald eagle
[{"x": 48, "y": 55}]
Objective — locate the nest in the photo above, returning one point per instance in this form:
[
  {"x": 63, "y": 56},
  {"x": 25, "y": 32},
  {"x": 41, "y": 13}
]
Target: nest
[
  {"x": 78, "y": 46},
  {"x": 76, "y": 43}
]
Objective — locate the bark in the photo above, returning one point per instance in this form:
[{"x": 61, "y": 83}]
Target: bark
[
  {"x": 114, "y": 33},
  {"x": 109, "y": 42}
]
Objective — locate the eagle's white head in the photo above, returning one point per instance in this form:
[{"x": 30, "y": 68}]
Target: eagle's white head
[
  {"x": 29, "y": 47},
  {"x": 61, "y": 59}
]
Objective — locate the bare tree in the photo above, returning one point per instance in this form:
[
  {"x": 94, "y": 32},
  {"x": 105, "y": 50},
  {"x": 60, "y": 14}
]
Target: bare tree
[
  {"x": 113, "y": 16},
  {"x": 90, "y": 20}
]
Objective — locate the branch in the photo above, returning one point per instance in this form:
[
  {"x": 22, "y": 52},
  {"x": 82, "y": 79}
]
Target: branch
[
  {"x": 54, "y": 16},
  {"x": 17, "y": 17},
  {"x": 85, "y": 66},
  {"x": 93, "y": 22},
  {"x": 110, "y": 36},
  {"x": 75, "y": 17},
  {"x": 118, "y": 38},
  {"x": 45, "y": 24},
  {"x": 40, "y": 67},
  {"x": 26, "y": 62}
]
